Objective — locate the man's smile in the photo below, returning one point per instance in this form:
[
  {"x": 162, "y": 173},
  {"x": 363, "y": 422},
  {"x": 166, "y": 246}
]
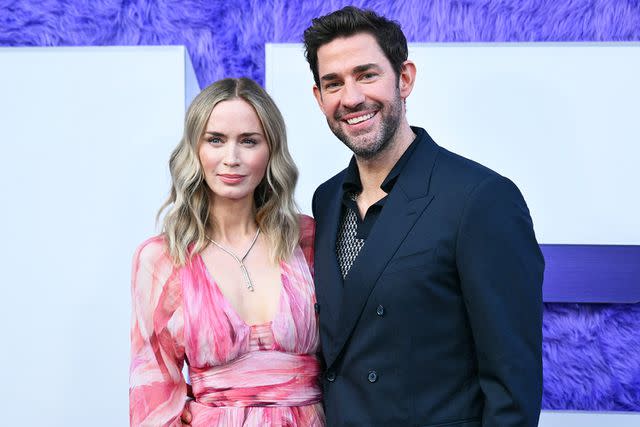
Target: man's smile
[{"x": 360, "y": 118}]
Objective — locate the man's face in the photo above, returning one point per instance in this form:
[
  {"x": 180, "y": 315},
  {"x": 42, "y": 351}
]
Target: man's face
[{"x": 359, "y": 94}]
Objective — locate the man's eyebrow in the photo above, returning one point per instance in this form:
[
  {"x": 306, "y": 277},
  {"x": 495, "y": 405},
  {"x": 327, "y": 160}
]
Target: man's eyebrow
[
  {"x": 366, "y": 67},
  {"x": 328, "y": 77},
  {"x": 357, "y": 69}
]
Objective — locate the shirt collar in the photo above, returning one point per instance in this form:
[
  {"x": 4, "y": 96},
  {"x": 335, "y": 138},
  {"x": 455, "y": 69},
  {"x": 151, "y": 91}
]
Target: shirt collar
[{"x": 352, "y": 183}]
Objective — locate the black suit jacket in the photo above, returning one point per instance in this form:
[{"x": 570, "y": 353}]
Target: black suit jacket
[{"x": 438, "y": 322}]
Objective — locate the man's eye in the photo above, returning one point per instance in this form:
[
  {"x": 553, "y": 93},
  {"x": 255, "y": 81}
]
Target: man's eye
[
  {"x": 368, "y": 76},
  {"x": 332, "y": 85}
]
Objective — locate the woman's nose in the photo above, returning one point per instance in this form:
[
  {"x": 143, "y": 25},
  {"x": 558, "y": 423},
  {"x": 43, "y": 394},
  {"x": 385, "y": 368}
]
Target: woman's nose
[{"x": 231, "y": 155}]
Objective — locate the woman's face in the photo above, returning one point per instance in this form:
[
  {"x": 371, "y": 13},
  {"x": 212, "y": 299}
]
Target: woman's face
[{"x": 233, "y": 151}]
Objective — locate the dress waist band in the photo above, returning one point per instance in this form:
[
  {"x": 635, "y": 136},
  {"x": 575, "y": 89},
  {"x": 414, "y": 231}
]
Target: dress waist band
[{"x": 259, "y": 378}]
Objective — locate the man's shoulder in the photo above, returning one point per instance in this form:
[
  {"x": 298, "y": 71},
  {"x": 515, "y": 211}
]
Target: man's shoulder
[
  {"x": 452, "y": 169},
  {"x": 456, "y": 163},
  {"x": 449, "y": 169},
  {"x": 463, "y": 178}
]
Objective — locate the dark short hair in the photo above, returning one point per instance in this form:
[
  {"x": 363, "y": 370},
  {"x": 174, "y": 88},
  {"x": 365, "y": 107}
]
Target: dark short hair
[{"x": 349, "y": 21}]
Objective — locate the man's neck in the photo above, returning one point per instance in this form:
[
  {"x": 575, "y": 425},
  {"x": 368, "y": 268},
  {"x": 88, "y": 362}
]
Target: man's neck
[{"x": 373, "y": 171}]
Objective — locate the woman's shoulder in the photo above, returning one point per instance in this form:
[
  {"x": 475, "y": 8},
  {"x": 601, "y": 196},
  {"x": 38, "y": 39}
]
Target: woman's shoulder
[
  {"x": 153, "y": 254},
  {"x": 307, "y": 235},
  {"x": 307, "y": 228},
  {"x": 153, "y": 248}
]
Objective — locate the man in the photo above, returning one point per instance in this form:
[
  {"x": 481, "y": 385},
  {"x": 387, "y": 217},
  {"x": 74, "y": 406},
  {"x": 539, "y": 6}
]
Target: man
[{"x": 428, "y": 274}]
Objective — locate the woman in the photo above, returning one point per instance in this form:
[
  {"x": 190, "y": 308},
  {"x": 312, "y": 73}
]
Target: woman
[{"x": 227, "y": 287}]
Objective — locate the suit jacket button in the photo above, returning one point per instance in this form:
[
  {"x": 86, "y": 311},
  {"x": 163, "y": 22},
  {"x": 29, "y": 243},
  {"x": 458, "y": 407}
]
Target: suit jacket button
[
  {"x": 373, "y": 376},
  {"x": 380, "y": 311},
  {"x": 330, "y": 376},
  {"x": 316, "y": 307}
]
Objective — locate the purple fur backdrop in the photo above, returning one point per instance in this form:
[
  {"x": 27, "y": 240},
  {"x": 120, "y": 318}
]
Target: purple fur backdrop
[{"x": 591, "y": 352}]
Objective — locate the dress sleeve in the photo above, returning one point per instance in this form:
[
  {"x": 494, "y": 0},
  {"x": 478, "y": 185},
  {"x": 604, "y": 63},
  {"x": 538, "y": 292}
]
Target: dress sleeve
[
  {"x": 157, "y": 389},
  {"x": 307, "y": 236}
]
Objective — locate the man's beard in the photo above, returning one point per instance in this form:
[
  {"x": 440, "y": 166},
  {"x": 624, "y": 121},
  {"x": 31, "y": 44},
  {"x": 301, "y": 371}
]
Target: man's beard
[{"x": 375, "y": 144}]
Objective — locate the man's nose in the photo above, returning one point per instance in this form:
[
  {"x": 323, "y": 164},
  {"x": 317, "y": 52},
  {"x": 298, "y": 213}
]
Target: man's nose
[{"x": 352, "y": 95}]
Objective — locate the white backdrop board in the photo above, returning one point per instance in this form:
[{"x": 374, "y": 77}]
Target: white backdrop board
[
  {"x": 559, "y": 119},
  {"x": 86, "y": 135}
]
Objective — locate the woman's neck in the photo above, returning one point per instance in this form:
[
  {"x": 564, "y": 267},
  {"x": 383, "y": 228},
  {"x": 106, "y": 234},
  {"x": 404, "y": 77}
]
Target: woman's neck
[{"x": 232, "y": 221}]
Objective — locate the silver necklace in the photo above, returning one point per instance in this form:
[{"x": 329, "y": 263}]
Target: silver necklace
[{"x": 245, "y": 272}]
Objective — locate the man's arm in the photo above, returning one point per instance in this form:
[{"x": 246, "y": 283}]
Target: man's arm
[{"x": 501, "y": 270}]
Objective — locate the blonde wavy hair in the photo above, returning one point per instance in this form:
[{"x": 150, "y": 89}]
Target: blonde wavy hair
[{"x": 187, "y": 208}]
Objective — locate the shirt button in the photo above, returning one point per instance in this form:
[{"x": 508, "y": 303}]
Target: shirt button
[
  {"x": 331, "y": 376},
  {"x": 380, "y": 310},
  {"x": 316, "y": 307},
  {"x": 373, "y": 376}
]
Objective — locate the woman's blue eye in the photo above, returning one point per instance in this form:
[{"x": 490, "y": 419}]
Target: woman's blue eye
[
  {"x": 249, "y": 141},
  {"x": 214, "y": 140}
]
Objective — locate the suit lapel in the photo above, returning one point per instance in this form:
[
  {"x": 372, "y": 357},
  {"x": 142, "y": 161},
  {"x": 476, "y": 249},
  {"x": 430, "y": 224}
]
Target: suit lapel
[
  {"x": 404, "y": 205},
  {"x": 328, "y": 279}
]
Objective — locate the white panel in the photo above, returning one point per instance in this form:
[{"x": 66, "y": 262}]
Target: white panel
[
  {"x": 86, "y": 135},
  {"x": 316, "y": 151},
  {"x": 588, "y": 419},
  {"x": 558, "y": 119}
]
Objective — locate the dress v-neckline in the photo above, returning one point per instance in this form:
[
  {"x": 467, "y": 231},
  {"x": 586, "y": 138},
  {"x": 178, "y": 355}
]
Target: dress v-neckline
[{"x": 213, "y": 285}]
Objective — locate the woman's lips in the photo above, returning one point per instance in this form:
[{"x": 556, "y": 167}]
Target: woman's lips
[{"x": 231, "y": 178}]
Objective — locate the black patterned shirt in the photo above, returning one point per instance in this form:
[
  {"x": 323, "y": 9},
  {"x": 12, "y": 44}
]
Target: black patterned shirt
[{"x": 353, "y": 230}]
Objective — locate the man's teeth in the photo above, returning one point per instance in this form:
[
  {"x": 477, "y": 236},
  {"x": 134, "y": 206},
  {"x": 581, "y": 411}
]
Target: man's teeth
[{"x": 360, "y": 119}]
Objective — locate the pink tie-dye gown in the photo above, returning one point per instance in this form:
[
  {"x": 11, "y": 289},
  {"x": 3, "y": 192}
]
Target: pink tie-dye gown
[{"x": 242, "y": 375}]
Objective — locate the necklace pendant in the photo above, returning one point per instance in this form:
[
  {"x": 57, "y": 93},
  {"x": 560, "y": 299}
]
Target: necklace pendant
[
  {"x": 247, "y": 279},
  {"x": 243, "y": 268}
]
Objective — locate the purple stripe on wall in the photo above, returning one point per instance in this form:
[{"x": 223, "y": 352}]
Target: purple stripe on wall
[{"x": 591, "y": 273}]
